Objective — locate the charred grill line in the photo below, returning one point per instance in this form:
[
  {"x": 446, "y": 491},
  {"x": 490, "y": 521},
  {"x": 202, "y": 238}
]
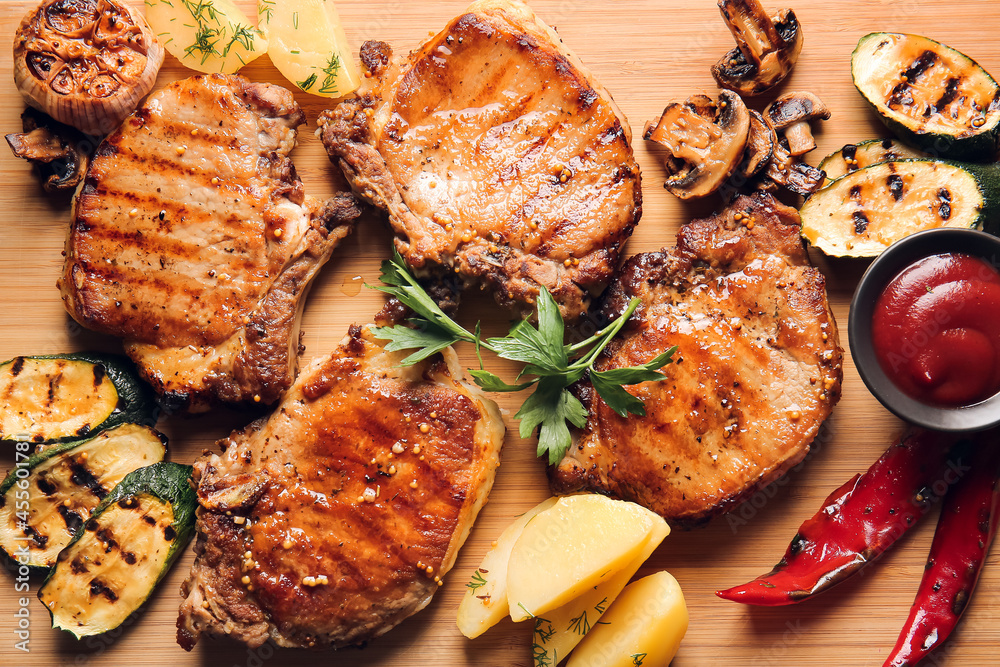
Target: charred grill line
[
  {"x": 895, "y": 185},
  {"x": 83, "y": 477},
  {"x": 98, "y": 587},
  {"x": 73, "y": 520},
  {"x": 950, "y": 92},
  {"x": 860, "y": 222},
  {"x": 901, "y": 94}
]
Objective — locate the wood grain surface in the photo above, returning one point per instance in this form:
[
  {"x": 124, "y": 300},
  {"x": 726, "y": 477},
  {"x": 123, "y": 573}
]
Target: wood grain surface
[{"x": 648, "y": 53}]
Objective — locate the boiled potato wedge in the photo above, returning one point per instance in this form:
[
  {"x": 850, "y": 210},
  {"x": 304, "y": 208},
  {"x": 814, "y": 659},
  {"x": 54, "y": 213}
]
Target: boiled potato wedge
[
  {"x": 560, "y": 630},
  {"x": 206, "y": 36},
  {"x": 485, "y": 601},
  {"x": 306, "y": 42},
  {"x": 644, "y": 626},
  {"x": 573, "y": 546}
]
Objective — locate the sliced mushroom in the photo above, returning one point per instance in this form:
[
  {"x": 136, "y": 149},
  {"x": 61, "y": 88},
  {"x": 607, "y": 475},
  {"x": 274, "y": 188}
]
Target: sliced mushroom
[
  {"x": 766, "y": 47},
  {"x": 57, "y": 151},
  {"x": 791, "y": 114},
  {"x": 705, "y": 142},
  {"x": 760, "y": 147},
  {"x": 792, "y": 173}
]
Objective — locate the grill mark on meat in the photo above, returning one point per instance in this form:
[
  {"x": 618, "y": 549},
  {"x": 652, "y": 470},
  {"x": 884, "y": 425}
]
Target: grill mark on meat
[
  {"x": 721, "y": 425},
  {"x": 174, "y": 241},
  {"x": 524, "y": 104},
  {"x": 170, "y": 241},
  {"x": 374, "y": 554}
]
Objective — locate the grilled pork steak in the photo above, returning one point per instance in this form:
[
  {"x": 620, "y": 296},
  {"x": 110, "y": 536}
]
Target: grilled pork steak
[
  {"x": 343, "y": 509},
  {"x": 757, "y": 371},
  {"x": 192, "y": 240},
  {"x": 496, "y": 155}
]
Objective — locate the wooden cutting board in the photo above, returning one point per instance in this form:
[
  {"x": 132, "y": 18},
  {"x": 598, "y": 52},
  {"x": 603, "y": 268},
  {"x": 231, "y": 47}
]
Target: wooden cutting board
[{"x": 647, "y": 53}]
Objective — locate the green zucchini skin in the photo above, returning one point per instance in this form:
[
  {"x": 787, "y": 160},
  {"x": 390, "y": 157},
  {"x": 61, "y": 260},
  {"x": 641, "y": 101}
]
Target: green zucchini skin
[
  {"x": 83, "y": 498},
  {"x": 963, "y": 141},
  {"x": 136, "y": 400},
  {"x": 865, "y": 153},
  {"x": 830, "y": 213},
  {"x": 166, "y": 481}
]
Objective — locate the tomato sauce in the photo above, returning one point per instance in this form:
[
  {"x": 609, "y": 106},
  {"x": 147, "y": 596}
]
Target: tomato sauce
[{"x": 936, "y": 330}]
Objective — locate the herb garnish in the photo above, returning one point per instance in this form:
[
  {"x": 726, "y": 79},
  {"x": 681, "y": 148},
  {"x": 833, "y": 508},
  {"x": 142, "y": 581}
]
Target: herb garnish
[
  {"x": 549, "y": 365},
  {"x": 203, "y": 43},
  {"x": 307, "y": 84},
  {"x": 243, "y": 35},
  {"x": 540, "y": 654},
  {"x": 265, "y": 9},
  {"x": 329, "y": 85},
  {"x": 478, "y": 581},
  {"x": 580, "y": 625}
]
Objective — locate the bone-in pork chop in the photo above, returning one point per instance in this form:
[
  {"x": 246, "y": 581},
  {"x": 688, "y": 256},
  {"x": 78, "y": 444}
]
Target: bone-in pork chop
[
  {"x": 497, "y": 156},
  {"x": 336, "y": 518},
  {"x": 192, "y": 240},
  {"x": 757, "y": 371}
]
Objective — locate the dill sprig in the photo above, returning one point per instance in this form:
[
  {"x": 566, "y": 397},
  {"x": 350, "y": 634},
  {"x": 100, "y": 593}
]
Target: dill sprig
[{"x": 332, "y": 69}]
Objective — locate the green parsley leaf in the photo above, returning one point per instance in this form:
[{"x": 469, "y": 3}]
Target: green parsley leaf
[
  {"x": 609, "y": 384},
  {"x": 619, "y": 400},
  {"x": 491, "y": 382},
  {"x": 400, "y": 284},
  {"x": 528, "y": 345},
  {"x": 548, "y": 408},
  {"x": 549, "y": 365},
  {"x": 426, "y": 339}
]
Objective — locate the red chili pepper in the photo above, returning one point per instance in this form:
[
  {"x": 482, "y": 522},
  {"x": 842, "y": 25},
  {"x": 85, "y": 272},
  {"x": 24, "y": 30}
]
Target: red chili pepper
[
  {"x": 858, "y": 522},
  {"x": 968, "y": 523}
]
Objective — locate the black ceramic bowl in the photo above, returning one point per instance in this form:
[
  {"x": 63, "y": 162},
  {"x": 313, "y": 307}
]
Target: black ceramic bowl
[{"x": 887, "y": 266}]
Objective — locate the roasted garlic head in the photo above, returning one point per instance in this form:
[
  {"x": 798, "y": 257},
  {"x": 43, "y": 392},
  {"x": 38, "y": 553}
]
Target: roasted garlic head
[{"x": 86, "y": 63}]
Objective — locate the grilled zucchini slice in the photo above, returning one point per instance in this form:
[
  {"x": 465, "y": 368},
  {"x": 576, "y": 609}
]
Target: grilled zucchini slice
[
  {"x": 864, "y": 154},
  {"x": 48, "y": 496},
  {"x": 68, "y": 396},
  {"x": 929, "y": 94},
  {"x": 862, "y": 213},
  {"x": 122, "y": 551}
]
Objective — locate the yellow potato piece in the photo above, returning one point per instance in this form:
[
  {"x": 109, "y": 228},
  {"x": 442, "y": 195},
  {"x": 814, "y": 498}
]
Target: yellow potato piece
[
  {"x": 306, "y": 42},
  {"x": 644, "y": 627},
  {"x": 557, "y": 632},
  {"x": 485, "y": 601},
  {"x": 573, "y": 546},
  {"x": 206, "y": 35}
]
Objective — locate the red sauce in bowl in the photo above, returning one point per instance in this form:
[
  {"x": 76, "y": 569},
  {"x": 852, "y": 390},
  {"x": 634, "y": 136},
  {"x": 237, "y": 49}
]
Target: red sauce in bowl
[{"x": 936, "y": 330}]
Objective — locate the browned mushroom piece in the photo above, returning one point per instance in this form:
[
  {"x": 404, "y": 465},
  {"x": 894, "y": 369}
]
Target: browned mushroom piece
[
  {"x": 705, "y": 141},
  {"x": 766, "y": 47},
  {"x": 86, "y": 63},
  {"x": 792, "y": 173},
  {"x": 760, "y": 147},
  {"x": 791, "y": 114},
  {"x": 58, "y": 152}
]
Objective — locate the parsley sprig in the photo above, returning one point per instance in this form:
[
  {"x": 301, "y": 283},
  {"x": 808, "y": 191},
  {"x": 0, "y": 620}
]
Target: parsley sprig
[{"x": 550, "y": 365}]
